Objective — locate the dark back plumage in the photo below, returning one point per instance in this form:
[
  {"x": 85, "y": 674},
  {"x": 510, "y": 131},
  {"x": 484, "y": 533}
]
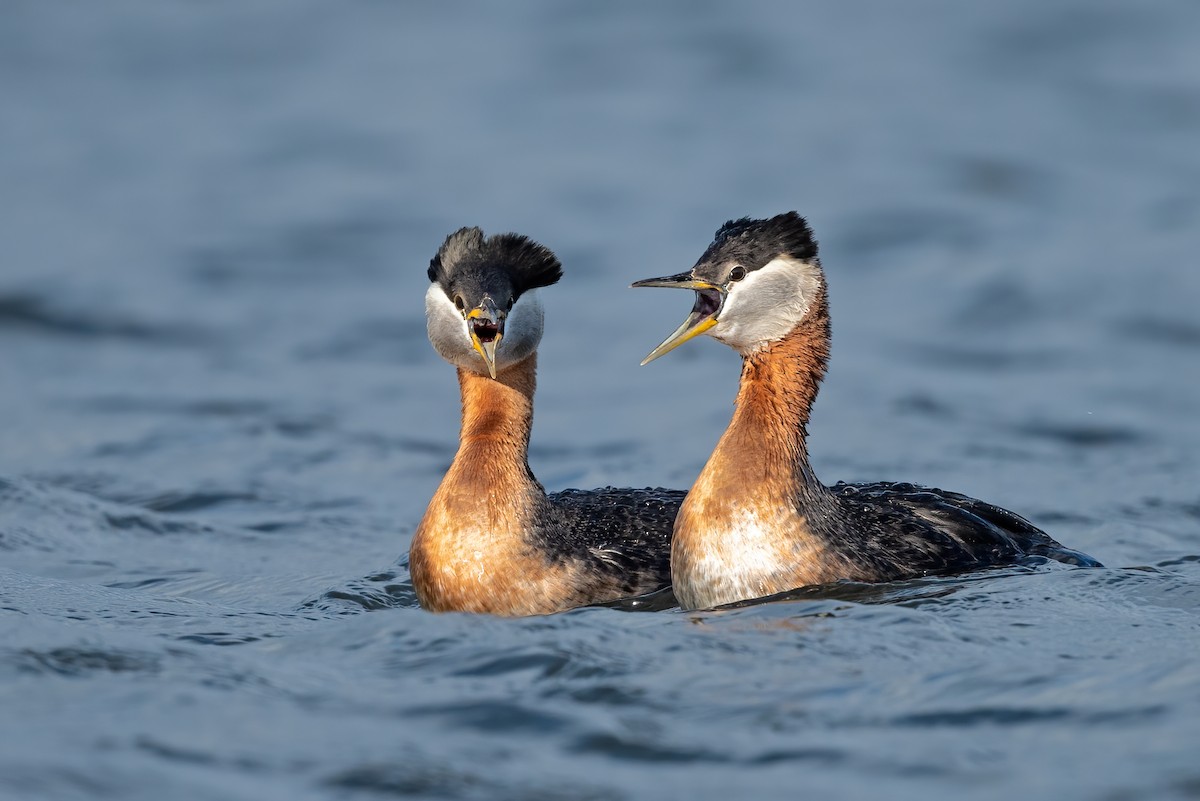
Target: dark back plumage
[
  {"x": 899, "y": 530},
  {"x": 623, "y": 535}
]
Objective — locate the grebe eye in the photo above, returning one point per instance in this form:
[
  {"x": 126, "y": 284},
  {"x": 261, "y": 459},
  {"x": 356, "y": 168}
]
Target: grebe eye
[
  {"x": 737, "y": 273},
  {"x": 458, "y": 303}
]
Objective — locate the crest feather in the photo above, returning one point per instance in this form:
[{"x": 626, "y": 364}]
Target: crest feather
[
  {"x": 528, "y": 264},
  {"x": 758, "y": 241}
]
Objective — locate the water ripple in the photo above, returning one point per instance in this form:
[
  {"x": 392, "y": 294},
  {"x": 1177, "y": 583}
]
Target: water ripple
[
  {"x": 40, "y": 315},
  {"x": 424, "y": 778},
  {"x": 78, "y": 662},
  {"x": 390, "y": 589}
]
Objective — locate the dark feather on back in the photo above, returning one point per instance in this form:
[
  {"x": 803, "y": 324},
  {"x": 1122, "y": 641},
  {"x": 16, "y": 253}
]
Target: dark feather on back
[
  {"x": 902, "y": 530},
  {"x": 622, "y": 535}
]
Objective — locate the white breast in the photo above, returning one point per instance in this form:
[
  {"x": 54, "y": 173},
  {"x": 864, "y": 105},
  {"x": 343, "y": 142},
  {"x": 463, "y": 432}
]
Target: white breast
[{"x": 734, "y": 560}]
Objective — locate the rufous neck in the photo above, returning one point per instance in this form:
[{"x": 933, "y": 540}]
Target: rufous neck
[
  {"x": 499, "y": 411},
  {"x": 778, "y": 387}
]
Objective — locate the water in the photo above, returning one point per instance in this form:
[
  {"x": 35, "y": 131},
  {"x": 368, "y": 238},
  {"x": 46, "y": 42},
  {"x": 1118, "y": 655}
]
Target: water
[{"x": 222, "y": 420}]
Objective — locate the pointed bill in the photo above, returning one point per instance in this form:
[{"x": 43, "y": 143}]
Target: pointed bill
[
  {"x": 709, "y": 299},
  {"x": 693, "y": 326},
  {"x": 488, "y": 351},
  {"x": 677, "y": 281},
  {"x": 485, "y": 323}
]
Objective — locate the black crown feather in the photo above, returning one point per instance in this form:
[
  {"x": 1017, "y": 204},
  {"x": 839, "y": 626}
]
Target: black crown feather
[
  {"x": 528, "y": 264},
  {"x": 784, "y": 233}
]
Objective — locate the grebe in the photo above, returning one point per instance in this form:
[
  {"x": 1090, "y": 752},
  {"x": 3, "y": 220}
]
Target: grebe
[
  {"x": 757, "y": 521},
  {"x": 491, "y": 539}
]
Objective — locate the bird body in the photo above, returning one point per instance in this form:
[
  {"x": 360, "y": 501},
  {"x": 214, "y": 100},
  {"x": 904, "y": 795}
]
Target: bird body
[
  {"x": 757, "y": 521},
  {"x": 491, "y": 539}
]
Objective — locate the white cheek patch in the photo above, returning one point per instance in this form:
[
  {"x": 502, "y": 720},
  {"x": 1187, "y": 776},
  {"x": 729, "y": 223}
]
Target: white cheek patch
[
  {"x": 448, "y": 330},
  {"x": 451, "y": 338},
  {"x": 522, "y": 330},
  {"x": 767, "y": 304}
]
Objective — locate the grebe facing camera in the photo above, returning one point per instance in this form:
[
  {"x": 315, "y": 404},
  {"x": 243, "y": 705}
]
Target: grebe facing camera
[{"x": 491, "y": 539}]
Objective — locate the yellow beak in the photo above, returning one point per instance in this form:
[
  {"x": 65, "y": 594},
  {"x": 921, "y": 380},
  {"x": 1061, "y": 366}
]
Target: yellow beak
[
  {"x": 485, "y": 323},
  {"x": 704, "y": 315}
]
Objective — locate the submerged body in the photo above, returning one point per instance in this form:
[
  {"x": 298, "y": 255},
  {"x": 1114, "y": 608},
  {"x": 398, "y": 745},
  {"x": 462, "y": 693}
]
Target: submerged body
[
  {"x": 757, "y": 521},
  {"x": 491, "y": 539}
]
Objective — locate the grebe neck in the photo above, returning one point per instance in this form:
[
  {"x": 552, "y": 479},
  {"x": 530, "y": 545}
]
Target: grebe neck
[
  {"x": 775, "y": 397},
  {"x": 497, "y": 414}
]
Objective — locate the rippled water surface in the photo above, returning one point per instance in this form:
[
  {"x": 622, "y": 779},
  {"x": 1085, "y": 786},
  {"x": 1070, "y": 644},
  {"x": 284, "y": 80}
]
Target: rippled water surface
[{"x": 222, "y": 420}]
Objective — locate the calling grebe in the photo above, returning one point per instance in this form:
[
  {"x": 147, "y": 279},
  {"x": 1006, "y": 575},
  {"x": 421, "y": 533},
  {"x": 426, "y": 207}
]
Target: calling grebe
[
  {"x": 757, "y": 521},
  {"x": 491, "y": 539}
]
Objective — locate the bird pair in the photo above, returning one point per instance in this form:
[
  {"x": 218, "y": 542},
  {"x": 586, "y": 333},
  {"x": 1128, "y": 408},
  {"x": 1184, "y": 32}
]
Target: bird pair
[{"x": 756, "y": 522}]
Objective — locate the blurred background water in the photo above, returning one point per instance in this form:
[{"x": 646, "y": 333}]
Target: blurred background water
[{"x": 222, "y": 420}]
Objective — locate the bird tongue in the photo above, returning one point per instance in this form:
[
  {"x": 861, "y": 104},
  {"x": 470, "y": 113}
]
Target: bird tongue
[{"x": 485, "y": 330}]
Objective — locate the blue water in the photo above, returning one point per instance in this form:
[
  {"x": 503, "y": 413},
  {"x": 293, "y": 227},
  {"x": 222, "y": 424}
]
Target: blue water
[{"x": 221, "y": 420}]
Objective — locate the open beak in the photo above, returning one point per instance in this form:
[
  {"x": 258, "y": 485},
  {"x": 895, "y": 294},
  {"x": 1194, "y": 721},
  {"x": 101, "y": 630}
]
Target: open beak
[
  {"x": 709, "y": 300},
  {"x": 485, "y": 323}
]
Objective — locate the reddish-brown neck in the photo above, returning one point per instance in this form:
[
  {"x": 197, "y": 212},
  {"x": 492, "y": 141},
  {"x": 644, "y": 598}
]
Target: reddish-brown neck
[
  {"x": 775, "y": 397},
  {"x": 497, "y": 413}
]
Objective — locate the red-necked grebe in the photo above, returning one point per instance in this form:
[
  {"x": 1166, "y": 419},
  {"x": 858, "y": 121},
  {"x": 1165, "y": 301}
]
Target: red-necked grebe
[
  {"x": 491, "y": 539},
  {"x": 757, "y": 521}
]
